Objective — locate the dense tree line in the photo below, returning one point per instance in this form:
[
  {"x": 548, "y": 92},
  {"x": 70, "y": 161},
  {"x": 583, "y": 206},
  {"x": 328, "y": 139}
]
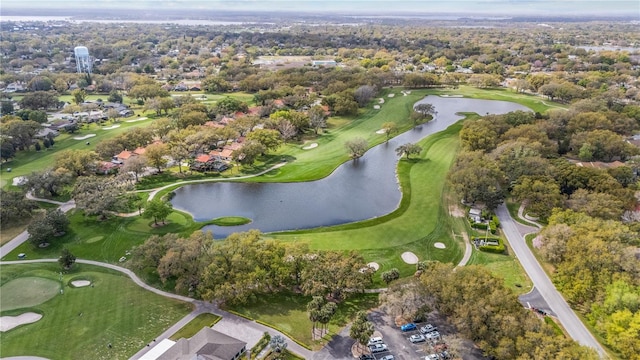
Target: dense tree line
[{"x": 244, "y": 266}]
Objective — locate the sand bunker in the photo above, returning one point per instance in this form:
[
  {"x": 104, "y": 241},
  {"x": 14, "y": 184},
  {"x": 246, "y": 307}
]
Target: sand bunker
[
  {"x": 310, "y": 146},
  {"x": 374, "y": 265},
  {"x": 85, "y": 137},
  {"x": 381, "y": 131},
  {"x": 409, "y": 257},
  {"x": 111, "y": 127},
  {"x": 9, "y": 322},
  {"x": 138, "y": 119},
  {"x": 380, "y": 101},
  {"x": 454, "y": 96},
  {"x": 81, "y": 283},
  {"x": 439, "y": 245},
  {"x": 391, "y": 95},
  {"x": 19, "y": 180},
  {"x": 377, "y": 107}
]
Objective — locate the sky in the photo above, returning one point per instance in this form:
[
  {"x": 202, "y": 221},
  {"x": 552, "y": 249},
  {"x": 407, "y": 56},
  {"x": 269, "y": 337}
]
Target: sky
[{"x": 378, "y": 7}]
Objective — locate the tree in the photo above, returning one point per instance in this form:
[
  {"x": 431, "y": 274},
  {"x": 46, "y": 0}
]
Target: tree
[
  {"x": 79, "y": 95},
  {"x": 248, "y": 153},
  {"x": 270, "y": 139},
  {"x": 326, "y": 313},
  {"x": 42, "y": 230},
  {"x": 408, "y": 149},
  {"x": 66, "y": 259},
  {"x": 115, "y": 97},
  {"x": 540, "y": 194},
  {"x": 134, "y": 165},
  {"x": 477, "y": 179},
  {"x": 333, "y": 273},
  {"x": 314, "y": 307},
  {"x": 158, "y": 210},
  {"x": 361, "y": 329},
  {"x": 155, "y": 154},
  {"x": 389, "y": 128},
  {"x": 213, "y": 84},
  {"x": 389, "y": 276},
  {"x": 78, "y": 162},
  {"x": 317, "y": 118},
  {"x": 185, "y": 261},
  {"x": 364, "y": 94},
  {"x": 277, "y": 343},
  {"x": 49, "y": 182},
  {"x": 7, "y": 150},
  {"x": 14, "y": 207},
  {"x": 20, "y": 133},
  {"x": 39, "y": 100},
  {"x": 97, "y": 195},
  {"x": 356, "y": 147}
]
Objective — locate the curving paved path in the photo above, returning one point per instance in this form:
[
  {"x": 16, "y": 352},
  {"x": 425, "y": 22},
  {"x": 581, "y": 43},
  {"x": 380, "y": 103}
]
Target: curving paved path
[
  {"x": 468, "y": 250},
  {"x": 233, "y": 325},
  {"x": 568, "y": 318}
]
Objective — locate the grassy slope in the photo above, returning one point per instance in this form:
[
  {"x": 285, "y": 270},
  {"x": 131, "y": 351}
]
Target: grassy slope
[
  {"x": 115, "y": 311},
  {"x": 195, "y": 325}
]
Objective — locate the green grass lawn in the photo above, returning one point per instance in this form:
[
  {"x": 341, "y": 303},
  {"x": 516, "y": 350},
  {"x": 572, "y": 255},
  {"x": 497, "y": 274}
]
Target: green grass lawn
[
  {"x": 288, "y": 313},
  {"x": 505, "y": 266},
  {"x": 195, "y": 325},
  {"x": 107, "y": 241},
  {"x": 81, "y": 322}
]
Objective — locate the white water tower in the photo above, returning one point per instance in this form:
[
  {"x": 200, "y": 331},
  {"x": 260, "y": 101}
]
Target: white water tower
[{"x": 83, "y": 60}]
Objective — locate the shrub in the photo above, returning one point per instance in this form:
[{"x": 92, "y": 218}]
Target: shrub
[
  {"x": 482, "y": 226},
  {"x": 496, "y": 249}
]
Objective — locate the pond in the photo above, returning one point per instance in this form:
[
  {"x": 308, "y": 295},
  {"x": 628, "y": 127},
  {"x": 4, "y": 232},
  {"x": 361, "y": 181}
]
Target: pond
[{"x": 355, "y": 191}]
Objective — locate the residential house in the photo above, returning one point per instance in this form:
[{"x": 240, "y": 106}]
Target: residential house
[
  {"x": 206, "y": 162},
  {"x": 46, "y": 132},
  {"x": 222, "y": 155},
  {"x": 475, "y": 215}
]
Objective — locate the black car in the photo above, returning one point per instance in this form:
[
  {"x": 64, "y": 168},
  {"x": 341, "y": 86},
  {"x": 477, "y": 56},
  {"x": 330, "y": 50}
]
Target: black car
[{"x": 367, "y": 357}]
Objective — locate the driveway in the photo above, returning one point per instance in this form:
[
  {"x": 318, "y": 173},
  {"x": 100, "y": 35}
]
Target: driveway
[{"x": 575, "y": 328}]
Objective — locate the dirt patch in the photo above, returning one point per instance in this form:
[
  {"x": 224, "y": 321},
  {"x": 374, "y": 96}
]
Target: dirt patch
[
  {"x": 9, "y": 322},
  {"x": 456, "y": 211},
  {"x": 409, "y": 257}
]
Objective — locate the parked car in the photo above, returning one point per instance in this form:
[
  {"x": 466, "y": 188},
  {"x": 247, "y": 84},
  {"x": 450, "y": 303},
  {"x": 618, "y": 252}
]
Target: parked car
[
  {"x": 378, "y": 348},
  {"x": 375, "y": 340},
  {"x": 367, "y": 357},
  {"x": 432, "y": 357},
  {"x": 387, "y": 357},
  {"x": 433, "y": 335},
  {"x": 417, "y": 338},
  {"x": 428, "y": 328},
  {"x": 408, "y": 327}
]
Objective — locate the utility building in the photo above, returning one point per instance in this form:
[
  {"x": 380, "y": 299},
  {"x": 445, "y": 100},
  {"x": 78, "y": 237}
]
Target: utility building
[{"x": 83, "y": 60}]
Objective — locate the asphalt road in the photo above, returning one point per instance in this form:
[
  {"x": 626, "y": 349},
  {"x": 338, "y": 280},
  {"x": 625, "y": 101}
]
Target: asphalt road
[{"x": 572, "y": 324}]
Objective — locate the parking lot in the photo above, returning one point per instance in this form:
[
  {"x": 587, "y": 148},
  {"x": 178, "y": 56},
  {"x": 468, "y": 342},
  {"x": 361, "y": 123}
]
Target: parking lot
[{"x": 397, "y": 341}]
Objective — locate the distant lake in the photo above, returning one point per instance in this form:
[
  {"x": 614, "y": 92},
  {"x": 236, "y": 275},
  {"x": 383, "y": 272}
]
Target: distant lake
[{"x": 355, "y": 191}]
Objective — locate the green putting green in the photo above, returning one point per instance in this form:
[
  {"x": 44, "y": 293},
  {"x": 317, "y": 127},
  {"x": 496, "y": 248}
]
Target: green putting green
[
  {"x": 230, "y": 221},
  {"x": 26, "y": 292}
]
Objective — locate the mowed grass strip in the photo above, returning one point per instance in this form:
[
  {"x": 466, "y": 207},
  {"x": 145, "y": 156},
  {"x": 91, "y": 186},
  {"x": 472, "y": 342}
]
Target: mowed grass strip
[
  {"x": 195, "y": 325},
  {"x": 80, "y": 323}
]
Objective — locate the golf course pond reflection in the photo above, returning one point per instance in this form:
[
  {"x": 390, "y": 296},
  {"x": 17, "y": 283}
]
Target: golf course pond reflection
[{"x": 355, "y": 191}]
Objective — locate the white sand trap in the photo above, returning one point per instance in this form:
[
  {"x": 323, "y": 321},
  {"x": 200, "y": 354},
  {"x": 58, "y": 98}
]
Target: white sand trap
[
  {"x": 9, "y": 322},
  {"x": 439, "y": 245},
  {"x": 111, "y": 127},
  {"x": 408, "y": 92},
  {"x": 380, "y": 101},
  {"x": 138, "y": 119},
  {"x": 391, "y": 95},
  {"x": 81, "y": 283},
  {"x": 381, "y": 131},
  {"x": 19, "y": 180},
  {"x": 374, "y": 265},
  {"x": 310, "y": 146},
  {"x": 409, "y": 257},
  {"x": 377, "y": 107},
  {"x": 85, "y": 137},
  {"x": 454, "y": 96}
]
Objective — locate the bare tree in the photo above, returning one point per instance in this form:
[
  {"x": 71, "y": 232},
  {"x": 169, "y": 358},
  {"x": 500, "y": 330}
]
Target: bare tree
[{"x": 364, "y": 94}]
